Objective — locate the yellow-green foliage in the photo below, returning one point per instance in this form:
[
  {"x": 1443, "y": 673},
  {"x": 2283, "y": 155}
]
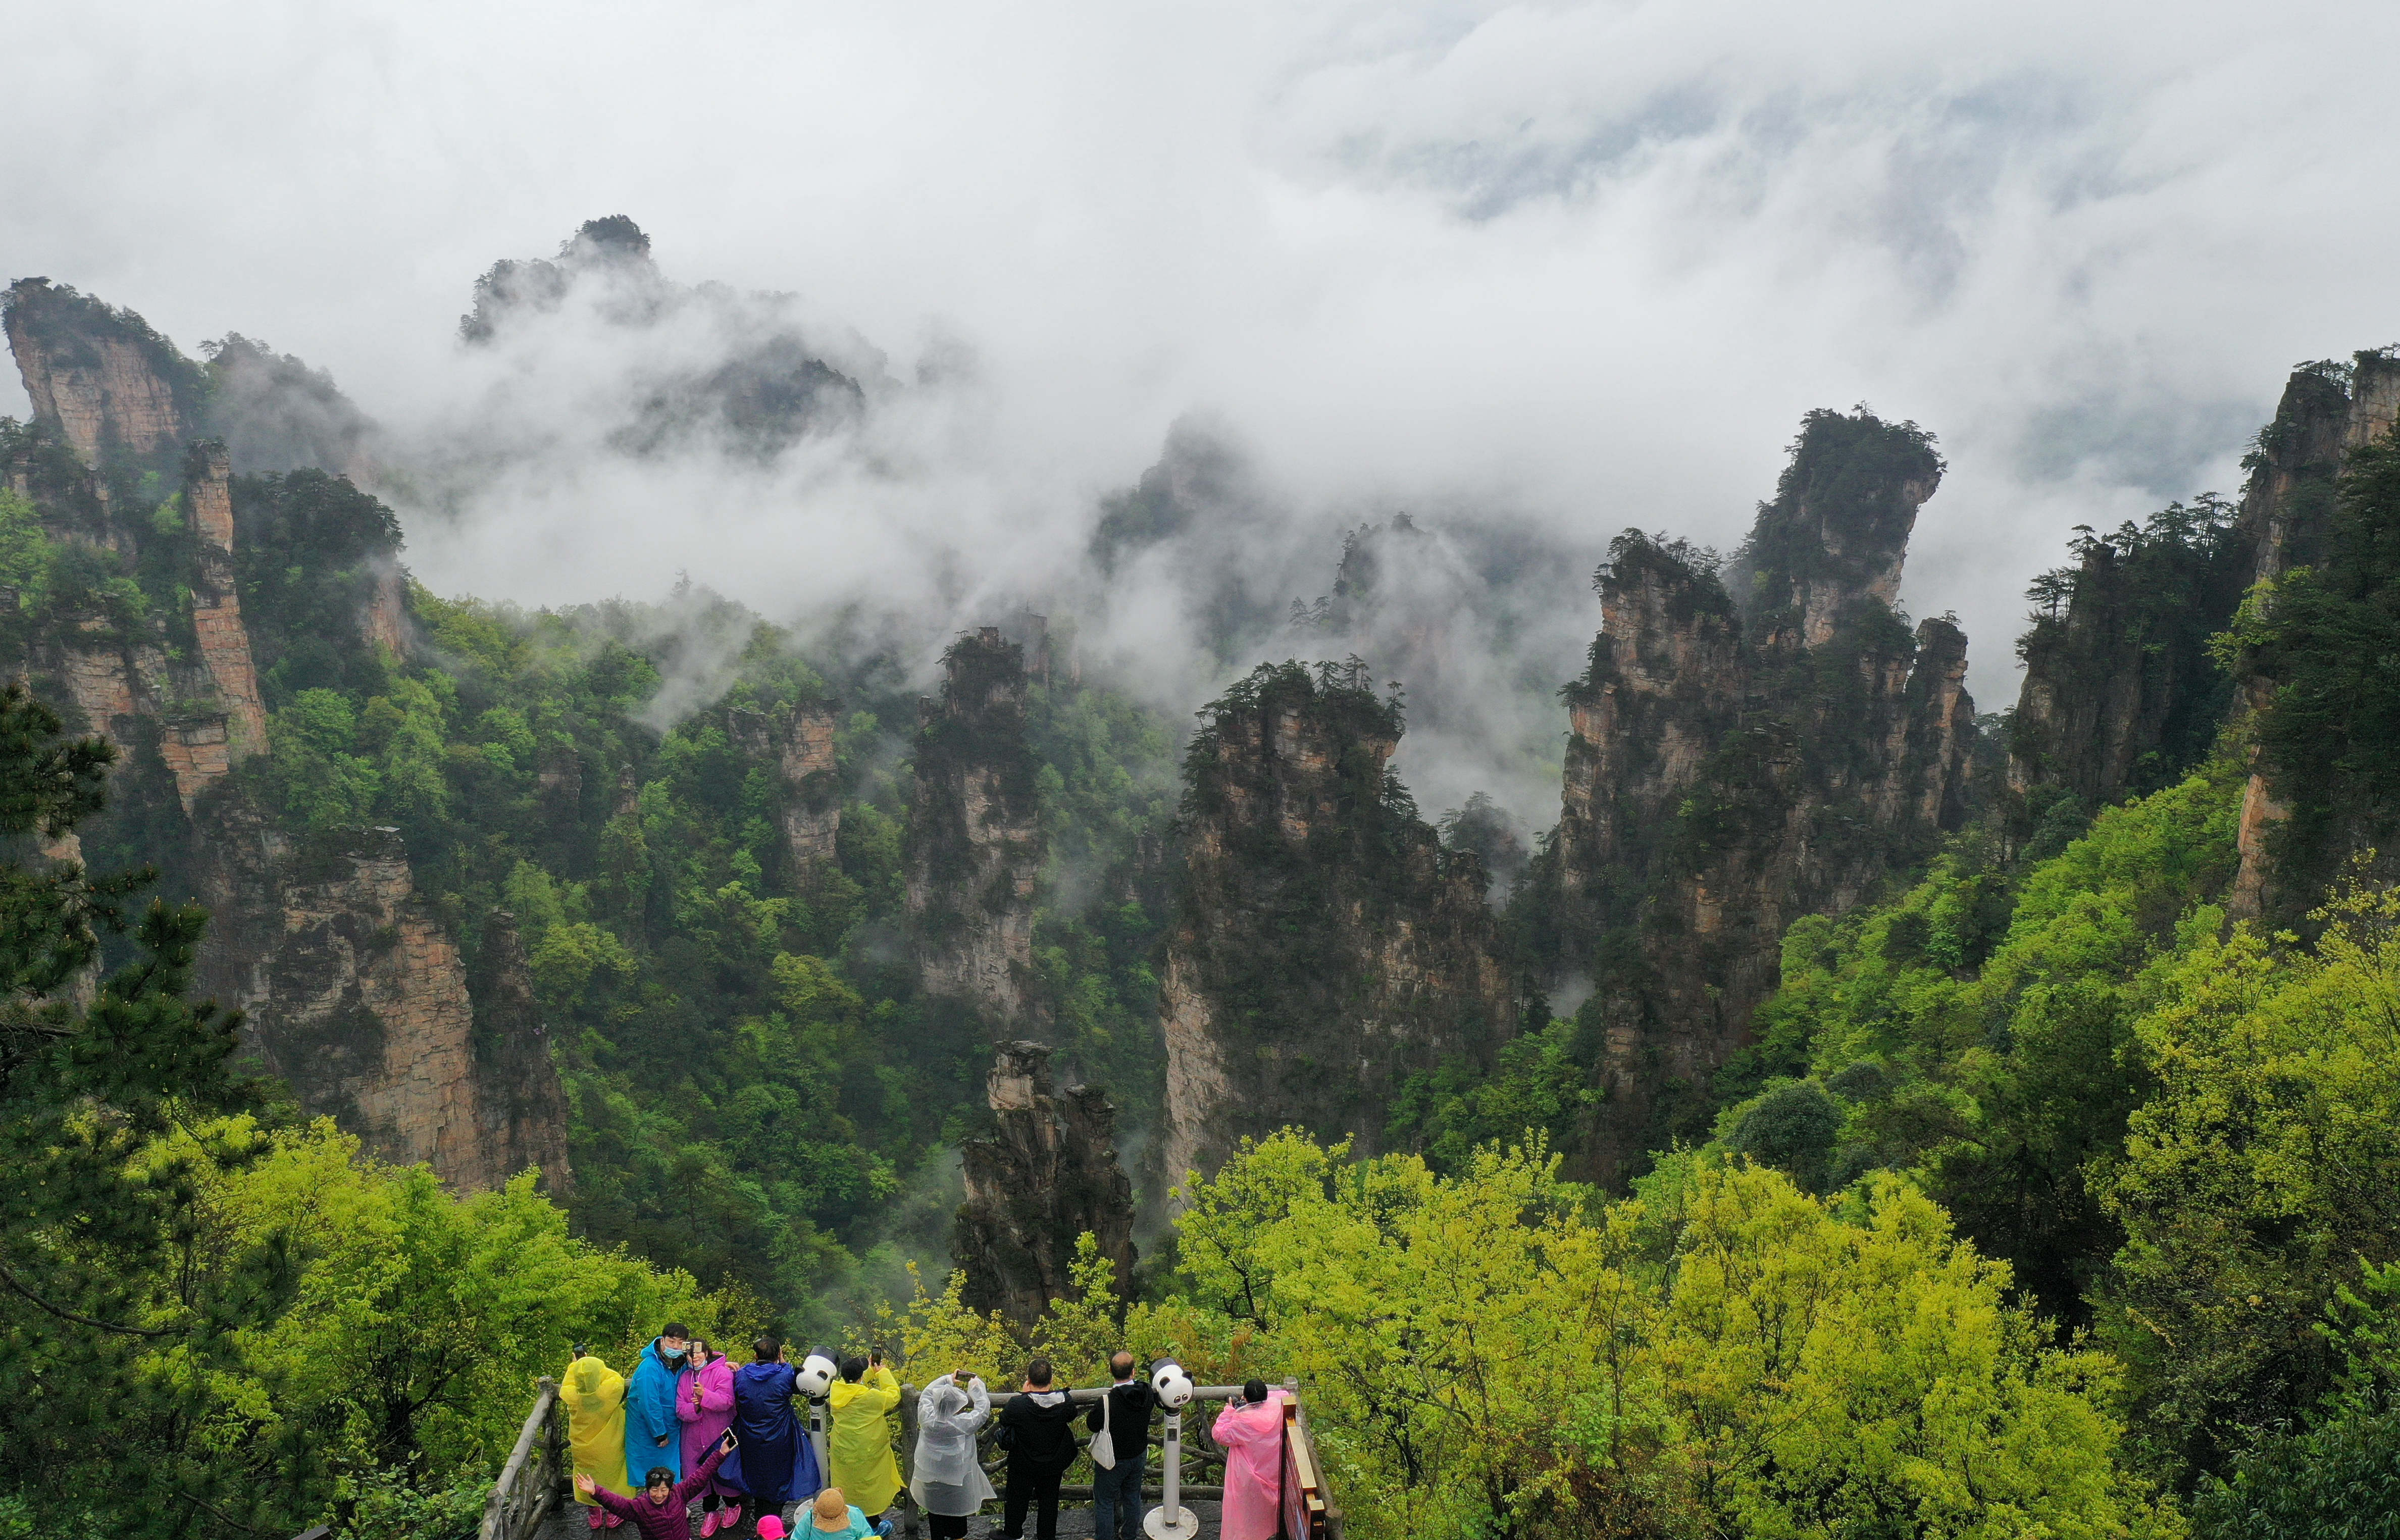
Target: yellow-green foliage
[
  {"x": 1494, "y": 1353},
  {"x": 422, "y": 1319},
  {"x": 2261, "y": 1175},
  {"x": 1975, "y": 1031},
  {"x": 1720, "y": 1355},
  {"x": 936, "y": 1334},
  {"x": 25, "y": 551}
]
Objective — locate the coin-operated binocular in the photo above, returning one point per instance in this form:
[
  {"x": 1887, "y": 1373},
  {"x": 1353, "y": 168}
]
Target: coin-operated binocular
[
  {"x": 1170, "y": 1519},
  {"x": 815, "y": 1378}
]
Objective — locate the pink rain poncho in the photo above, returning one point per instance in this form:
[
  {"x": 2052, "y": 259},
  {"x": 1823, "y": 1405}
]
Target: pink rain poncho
[
  {"x": 1252, "y": 1438},
  {"x": 704, "y": 1405}
]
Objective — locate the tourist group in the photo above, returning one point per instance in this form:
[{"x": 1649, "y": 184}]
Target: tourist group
[{"x": 734, "y": 1442}]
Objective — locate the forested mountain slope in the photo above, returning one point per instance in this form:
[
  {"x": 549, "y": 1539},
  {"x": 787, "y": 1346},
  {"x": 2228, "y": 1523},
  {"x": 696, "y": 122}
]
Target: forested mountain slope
[
  {"x": 438, "y": 836},
  {"x": 1855, "y": 1117}
]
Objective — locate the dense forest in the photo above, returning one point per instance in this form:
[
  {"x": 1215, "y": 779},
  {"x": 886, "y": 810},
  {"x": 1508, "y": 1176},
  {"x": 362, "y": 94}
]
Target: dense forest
[{"x": 1855, "y": 1116}]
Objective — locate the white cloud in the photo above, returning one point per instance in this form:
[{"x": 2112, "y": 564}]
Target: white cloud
[{"x": 1585, "y": 263}]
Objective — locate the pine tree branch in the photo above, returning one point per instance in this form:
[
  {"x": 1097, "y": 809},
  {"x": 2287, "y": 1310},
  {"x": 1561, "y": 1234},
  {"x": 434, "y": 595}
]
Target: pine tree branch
[
  {"x": 10, "y": 1279},
  {"x": 220, "y": 1517}
]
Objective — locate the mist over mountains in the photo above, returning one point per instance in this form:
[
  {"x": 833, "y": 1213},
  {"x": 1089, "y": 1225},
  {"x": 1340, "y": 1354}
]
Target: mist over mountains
[
  {"x": 612, "y": 423},
  {"x": 1654, "y": 742}
]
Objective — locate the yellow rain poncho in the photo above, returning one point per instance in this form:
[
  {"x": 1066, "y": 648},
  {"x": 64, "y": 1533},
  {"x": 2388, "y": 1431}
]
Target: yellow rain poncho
[
  {"x": 594, "y": 1398},
  {"x": 861, "y": 1442}
]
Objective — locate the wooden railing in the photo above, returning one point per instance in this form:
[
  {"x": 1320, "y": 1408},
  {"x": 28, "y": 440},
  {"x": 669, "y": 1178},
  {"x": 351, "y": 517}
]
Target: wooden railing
[{"x": 534, "y": 1482}]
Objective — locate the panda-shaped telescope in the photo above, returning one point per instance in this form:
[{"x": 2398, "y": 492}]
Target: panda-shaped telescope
[
  {"x": 815, "y": 1378},
  {"x": 1170, "y": 1519}
]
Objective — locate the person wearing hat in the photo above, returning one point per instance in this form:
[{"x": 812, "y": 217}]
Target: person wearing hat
[{"x": 833, "y": 1517}]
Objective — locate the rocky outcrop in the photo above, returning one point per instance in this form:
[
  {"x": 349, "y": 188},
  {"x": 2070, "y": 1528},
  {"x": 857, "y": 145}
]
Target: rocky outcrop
[
  {"x": 384, "y": 624},
  {"x": 119, "y": 665},
  {"x": 2286, "y": 520},
  {"x": 275, "y": 413},
  {"x": 1828, "y": 548},
  {"x": 975, "y": 846},
  {"x": 766, "y": 387},
  {"x": 355, "y": 990},
  {"x": 2120, "y": 694},
  {"x": 799, "y": 744},
  {"x": 1739, "y": 758},
  {"x": 217, "y": 606},
  {"x": 100, "y": 376},
  {"x": 1325, "y": 948},
  {"x": 521, "y": 1104},
  {"x": 356, "y": 995},
  {"x": 1664, "y": 687},
  {"x": 1046, "y": 1176}
]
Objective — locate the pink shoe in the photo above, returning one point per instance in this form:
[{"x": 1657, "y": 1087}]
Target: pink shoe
[{"x": 708, "y": 1523}]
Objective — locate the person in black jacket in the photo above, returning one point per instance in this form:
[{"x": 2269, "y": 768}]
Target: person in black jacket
[
  {"x": 1037, "y": 1429},
  {"x": 1124, "y": 1411}
]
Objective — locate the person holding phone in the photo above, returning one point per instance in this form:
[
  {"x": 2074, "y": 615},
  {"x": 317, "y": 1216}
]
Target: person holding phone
[
  {"x": 704, "y": 1403},
  {"x": 859, "y": 1449},
  {"x": 1250, "y": 1432},
  {"x": 662, "y": 1511},
  {"x": 947, "y": 1477},
  {"x": 769, "y": 1434}
]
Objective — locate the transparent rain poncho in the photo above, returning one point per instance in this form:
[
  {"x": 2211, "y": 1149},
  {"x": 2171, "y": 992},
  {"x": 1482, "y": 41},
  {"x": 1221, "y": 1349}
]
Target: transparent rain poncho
[{"x": 949, "y": 1479}]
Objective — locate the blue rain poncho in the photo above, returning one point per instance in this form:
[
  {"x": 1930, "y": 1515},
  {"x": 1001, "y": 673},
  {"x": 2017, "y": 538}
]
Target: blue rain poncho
[{"x": 650, "y": 1417}]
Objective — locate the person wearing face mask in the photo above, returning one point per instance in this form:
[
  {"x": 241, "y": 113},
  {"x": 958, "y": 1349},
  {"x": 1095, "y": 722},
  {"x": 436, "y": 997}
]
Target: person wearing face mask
[{"x": 653, "y": 1432}]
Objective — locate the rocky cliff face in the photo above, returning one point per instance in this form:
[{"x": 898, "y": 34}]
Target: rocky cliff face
[
  {"x": 799, "y": 745},
  {"x": 1734, "y": 765},
  {"x": 2121, "y": 695},
  {"x": 357, "y": 997},
  {"x": 1044, "y": 1178},
  {"x": 1325, "y": 946},
  {"x": 520, "y": 1105},
  {"x": 217, "y": 606},
  {"x": 975, "y": 846},
  {"x": 355, "y": 992},
  {"x": 1830, "y": 548},
  {"x": 98, "y": 375},
  {"x": 180, "y": 686},
  {"x": 2287, "y": 521}
]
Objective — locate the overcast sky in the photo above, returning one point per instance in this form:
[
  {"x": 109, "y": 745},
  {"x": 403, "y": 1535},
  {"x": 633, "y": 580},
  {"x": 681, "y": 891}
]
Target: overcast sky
[{"x": 1588, "y": 262}]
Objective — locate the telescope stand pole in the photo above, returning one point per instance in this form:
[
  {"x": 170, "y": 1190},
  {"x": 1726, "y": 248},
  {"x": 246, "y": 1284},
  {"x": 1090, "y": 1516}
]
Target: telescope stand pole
[{"x": 1170, "y": 1519}]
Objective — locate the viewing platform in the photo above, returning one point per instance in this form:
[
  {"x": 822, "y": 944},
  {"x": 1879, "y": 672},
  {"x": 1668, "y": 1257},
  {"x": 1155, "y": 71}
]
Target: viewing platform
[{"x": 533, "y": 1500}]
